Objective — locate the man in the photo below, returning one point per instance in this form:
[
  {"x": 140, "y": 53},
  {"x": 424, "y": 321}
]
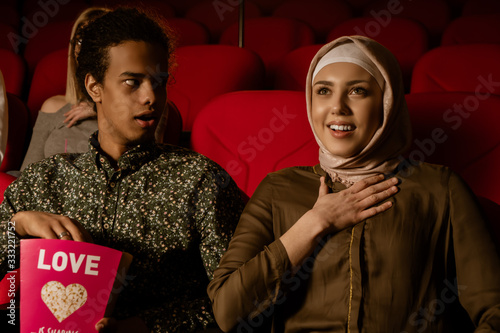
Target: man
[{"x": 172, "y": 209}]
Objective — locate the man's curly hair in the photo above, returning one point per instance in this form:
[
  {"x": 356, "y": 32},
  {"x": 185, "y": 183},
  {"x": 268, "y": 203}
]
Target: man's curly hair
[{"x": 114, "y": 28}]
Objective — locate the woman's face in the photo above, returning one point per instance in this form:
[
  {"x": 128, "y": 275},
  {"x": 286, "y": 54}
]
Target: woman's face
[{"x": 347, "y": 108}]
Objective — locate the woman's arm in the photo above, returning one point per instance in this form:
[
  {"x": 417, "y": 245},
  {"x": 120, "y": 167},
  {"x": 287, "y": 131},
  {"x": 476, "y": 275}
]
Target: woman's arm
[
  {"x": 476, "y": 258},
  {"x": 336, "y": 211},
  {"x": 250, "y": 275}
]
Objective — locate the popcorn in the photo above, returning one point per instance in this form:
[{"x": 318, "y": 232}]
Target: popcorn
[{"x": 63, "y": 301}]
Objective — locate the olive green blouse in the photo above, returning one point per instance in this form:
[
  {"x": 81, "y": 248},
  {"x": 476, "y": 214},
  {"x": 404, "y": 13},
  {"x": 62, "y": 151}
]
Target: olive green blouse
[{"x": 428, "y": 264}]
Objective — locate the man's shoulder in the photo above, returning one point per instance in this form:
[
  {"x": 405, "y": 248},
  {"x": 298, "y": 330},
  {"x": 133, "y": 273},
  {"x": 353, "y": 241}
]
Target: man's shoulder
[{"x": 56, "y": 162}]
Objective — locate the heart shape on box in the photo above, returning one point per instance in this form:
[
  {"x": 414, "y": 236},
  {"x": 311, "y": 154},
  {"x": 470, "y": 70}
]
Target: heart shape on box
[{"x": 63, "y": 301}]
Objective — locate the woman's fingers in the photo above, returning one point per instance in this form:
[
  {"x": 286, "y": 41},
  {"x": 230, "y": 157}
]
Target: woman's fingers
[
  {"x": 355, "y": 204},
  {"x": 323, "y": 188}
]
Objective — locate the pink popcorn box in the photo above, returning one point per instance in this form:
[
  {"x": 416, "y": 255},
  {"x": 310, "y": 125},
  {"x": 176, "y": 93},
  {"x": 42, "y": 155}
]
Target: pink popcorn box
[{"x": 68, "y": 286}]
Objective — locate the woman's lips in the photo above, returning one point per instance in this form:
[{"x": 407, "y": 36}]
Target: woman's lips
[{"x": 341, "y": 131}]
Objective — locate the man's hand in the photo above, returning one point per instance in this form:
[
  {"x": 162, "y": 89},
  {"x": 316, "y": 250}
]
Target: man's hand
[{"x": 49, "y": 226}]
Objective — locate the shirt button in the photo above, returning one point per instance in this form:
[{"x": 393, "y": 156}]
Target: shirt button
[
  {"x": 106, "y": 226},
  {"x": 112, "y": 184}
]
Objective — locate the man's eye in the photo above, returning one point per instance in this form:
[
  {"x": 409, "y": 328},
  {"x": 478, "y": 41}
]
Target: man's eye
[{"x": 132, "y": 82}]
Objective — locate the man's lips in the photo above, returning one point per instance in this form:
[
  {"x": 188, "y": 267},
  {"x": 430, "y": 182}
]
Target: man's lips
[{"x": 146, "y": 119}]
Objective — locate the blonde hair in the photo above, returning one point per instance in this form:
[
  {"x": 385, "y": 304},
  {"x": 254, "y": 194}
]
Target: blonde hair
[{"x": 73, "y": 94}]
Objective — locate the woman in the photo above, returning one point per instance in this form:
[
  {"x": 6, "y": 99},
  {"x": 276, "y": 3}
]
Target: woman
[
  {"x": 65, "y": 122},
  {"x": 365, "y": 254}
]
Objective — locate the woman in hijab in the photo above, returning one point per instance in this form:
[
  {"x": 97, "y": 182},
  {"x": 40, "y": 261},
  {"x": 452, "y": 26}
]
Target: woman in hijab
[{"x": 410, "y": 253}]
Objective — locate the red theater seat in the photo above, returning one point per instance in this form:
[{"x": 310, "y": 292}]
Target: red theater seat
[
  {"x": 465, "y": 68},
  {"x": 272, "y": 38},
  {"x": 433, "y": 14},
  {"x": 40, "y": 13},
  {"x": 475, "y": 7},
  {"x": 405, "y": 38},
  {"x": 483, "y": 28},
  {"x": 217, "y": 16},
  {"x": 205, "y": 71},
  {"x": 13, "y": 68},
  {"x": 49, "y": 38},
  {"x": 321, "y": 15},
  {"x": 267, "y": 7},
  {"x": 291, "y": 73},
  {"x": 18, "y": 131},
  {"x": 10, "y": 39},
  {"x": 189, "y": 32},
  {"x": 252, "y": 133},
  {"x": 48, "y": 80},
  {"x": 459, "y": 130},
  {"x": 9, "y": 15},
  {"x": 173, "y": 130}
]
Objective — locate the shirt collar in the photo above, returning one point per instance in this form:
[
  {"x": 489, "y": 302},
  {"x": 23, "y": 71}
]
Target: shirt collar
[{"x": 132, "y": 159}]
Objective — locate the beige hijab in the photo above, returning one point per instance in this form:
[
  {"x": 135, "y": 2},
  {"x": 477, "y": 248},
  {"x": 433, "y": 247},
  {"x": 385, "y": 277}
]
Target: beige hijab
[{"x": 394, "y": 135}]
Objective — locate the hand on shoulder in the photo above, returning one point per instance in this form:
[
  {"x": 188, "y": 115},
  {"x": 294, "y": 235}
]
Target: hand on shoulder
[{"x": 80, "y": 111}]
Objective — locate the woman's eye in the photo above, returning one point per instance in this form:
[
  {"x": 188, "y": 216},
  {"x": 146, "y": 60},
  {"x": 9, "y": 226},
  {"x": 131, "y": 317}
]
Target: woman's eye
[
  {"x": 359, "y": 91},
  {"x": 322, "y": 91}
]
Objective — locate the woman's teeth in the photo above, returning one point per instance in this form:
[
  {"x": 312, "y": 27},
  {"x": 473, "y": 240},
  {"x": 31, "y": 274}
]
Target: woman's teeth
[{"x": 342, "y": 127}]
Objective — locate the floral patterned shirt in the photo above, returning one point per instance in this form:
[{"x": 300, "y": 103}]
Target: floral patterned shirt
[{"x": 173, "y": 209}]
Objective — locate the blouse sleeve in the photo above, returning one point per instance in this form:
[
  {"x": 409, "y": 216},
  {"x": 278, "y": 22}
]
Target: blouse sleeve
[
  {"x": 477, "y": 259},
  {"x": 250, "y": 273}
]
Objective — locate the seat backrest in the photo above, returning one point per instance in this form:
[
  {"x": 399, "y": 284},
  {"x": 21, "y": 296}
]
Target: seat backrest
[
  {"x": 173, "y": 129},
  {"x": 189, "y": 32},
  {"x": 291, "y": 73},
  {"x": 17, "y": 137},
  {"x": 217, "y": 16},
  {"x": 13, "y": 67},
  {"x": 10, "y": 38},
  {"x": 459, "y": 130},
  {"x": 48, "y": 38},
  {"x": 272, "y": 38},
  {"x": 9, "y": 14},
  {"x": 433, "y": 14},
  {"x": 465, "y": 68},
  {"x": 205, "y": 71},
  {"x": 321, "y": 15},
  {"x": 481, "y": 28},
  {"x": 474, "y": 7},
  {"x": 252, "y": 133},
  {"x": 394, "y": 35},
  {"x": 48, "y": 80}
]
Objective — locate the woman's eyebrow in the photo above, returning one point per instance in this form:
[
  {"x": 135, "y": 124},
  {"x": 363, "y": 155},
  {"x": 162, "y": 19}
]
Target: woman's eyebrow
[
  {"x": 324, "y": 83},
  {"x": 348, "y": 83},
  {"x": 353, "y": 82}
]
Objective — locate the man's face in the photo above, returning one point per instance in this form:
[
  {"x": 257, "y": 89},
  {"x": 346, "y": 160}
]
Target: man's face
[{"x": 132, "y": 96}]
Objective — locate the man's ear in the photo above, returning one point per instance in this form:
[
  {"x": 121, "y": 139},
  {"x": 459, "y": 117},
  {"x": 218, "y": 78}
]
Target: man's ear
[{"x": 93, "y": 88}]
